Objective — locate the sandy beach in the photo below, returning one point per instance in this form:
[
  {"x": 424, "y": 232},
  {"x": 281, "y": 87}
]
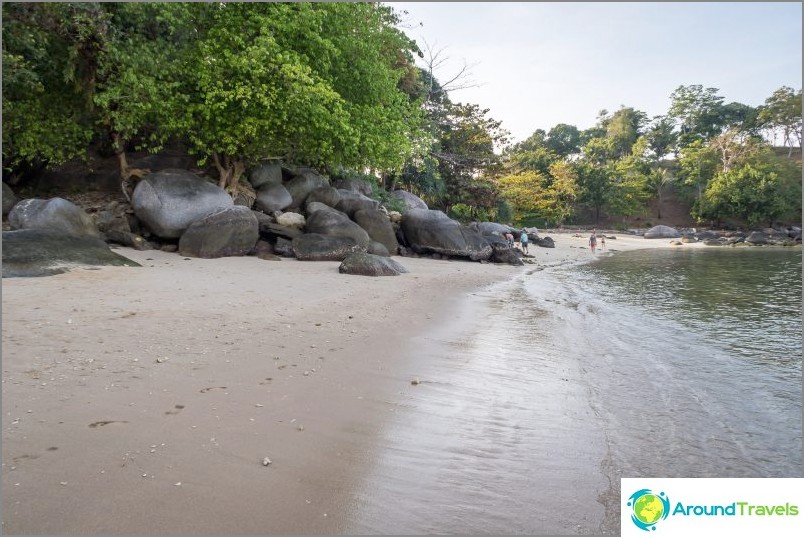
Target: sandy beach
[{"x": 149, "y": 400}]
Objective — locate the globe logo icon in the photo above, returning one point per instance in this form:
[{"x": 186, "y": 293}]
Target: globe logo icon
[{"x": 648, "y": 508}]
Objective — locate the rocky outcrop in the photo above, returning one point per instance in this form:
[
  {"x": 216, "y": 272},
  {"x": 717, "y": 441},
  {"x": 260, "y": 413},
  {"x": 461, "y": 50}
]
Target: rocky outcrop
[
  {"x": 361, "y": 186},
  {"x": 271, "y": 197},
  {"x": 378, "y": 248},
  {"x": 662, "y": 232},
  {"x": 378, "y": 227},
  {"x": 9, "y": 199},
  {"x": 316, "y": 247},
  {"x": 411, "y": 201},
  {"x": 230, "y": 232},
  {"x": 364, "y": 264},
  {"x": 326, "y": 194},
  {"x": 334, "y": 223},
  {"x": 56, "y": 214},
  {"x": 167, "y": 202},
  {"x": 491, "y": 228},
  {"x": 41, "y": 252},
  {"x": 434, "y": 232}
]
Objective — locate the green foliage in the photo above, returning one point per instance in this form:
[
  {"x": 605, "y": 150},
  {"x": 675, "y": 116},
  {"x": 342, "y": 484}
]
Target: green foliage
[
  {"x": 781, "y": 113},
  {"x": 505, "y": 212}
]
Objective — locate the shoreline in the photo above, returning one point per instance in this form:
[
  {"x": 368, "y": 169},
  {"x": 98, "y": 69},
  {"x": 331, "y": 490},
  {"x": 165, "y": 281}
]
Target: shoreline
[{"x": 163, "y": 389}]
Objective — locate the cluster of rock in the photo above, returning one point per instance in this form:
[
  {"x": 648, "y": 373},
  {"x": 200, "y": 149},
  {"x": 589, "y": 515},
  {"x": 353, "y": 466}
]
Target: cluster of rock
[
  {"x": 788, "y": 236},
  {"x": 296, "y": 213}
]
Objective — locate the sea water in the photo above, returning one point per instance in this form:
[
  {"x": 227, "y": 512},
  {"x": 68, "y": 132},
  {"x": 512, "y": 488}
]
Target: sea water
[{"x": 652, "y": 363}]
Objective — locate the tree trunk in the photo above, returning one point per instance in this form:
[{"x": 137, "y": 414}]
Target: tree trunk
[
  {"x": 229, "y": 173},
  {"x": 126, "y": 172},
  {"x": 659, "y": 206}
]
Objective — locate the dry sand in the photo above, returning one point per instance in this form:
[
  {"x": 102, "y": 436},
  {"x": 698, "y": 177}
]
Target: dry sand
[{"x": 145, "y": 400}]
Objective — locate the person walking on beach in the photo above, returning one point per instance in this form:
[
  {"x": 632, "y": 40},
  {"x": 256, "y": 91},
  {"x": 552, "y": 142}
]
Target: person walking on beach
[
  {"x": 592, "y": 242},
  {"x": 524, "y": 240},
  {"x": 603, "y": 242}
]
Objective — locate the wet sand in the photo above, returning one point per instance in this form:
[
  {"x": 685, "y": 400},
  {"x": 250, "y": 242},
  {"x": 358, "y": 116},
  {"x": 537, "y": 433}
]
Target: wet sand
[{"x": 145, "y": 401}]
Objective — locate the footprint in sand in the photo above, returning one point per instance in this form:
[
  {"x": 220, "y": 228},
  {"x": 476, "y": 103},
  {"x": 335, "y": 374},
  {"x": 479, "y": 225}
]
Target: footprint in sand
[
  {"x": 178, "y": 409},
  {"x": 104, "y": 423},
  {"x": 205, "y": 390}
]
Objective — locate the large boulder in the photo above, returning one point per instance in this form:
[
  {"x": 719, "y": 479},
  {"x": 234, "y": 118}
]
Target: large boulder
[
  {"x": 756, "y": 238},
  {"x": 334, "y": 223},
  {"x": 266, "y": 175},
  {"x": 491, "y": 228},
  {"x": 301, "y": 186},
  {"x": 317, "y": 247},
  {"x": 43, "y": 252},
  {"x": 378, "y": 227},
  {"x": 291, "y": 220},
  {"x": 272, "y": 198},
  {"x": 364, "y": 264},
  {"x": 544, "y": 242},
  {"x": 502, "y": 252},
  {"x": 433, "y": 231},
  {"x": 662, "y": 232},
  {"x": 167, "y": 202},
  {"x": 351, "y": 202},
  {"x": 361, "y": 186},
  {"x": 229, "y": 232},
  {"x": 325, "y": 194},
  {"x": 9, "y": 199},
  {"x": 411, "y": 201},
  {"x": 56, "y": 214}
]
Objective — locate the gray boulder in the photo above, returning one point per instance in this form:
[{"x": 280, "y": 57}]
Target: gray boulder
[
  {"x": 271, "y": 197},
  {"x": 502, "y": 252},
  {"x": 266, "y": 175},
  {"x": 230, "y": 232},
  {"x": 378, "y": 227},
  {"x": 363, "y": 264},
  {"x": 317, "y": 247},
  {"x": 351, "y": 202},
  {"x": 662, "y": 232},
  {"x": 434, "y": 232},
  {"x": 377, "y": 248},
  {"x": 42, "y": 252},
  {"x": 756, "y": 238},
  {"x": 9, "y": 199},
  {"x": 712, "y": 242},
  {"x": 56, "y": 214},
  {"x": 301, "y": 186},
  {"x": 167, "y": 202},
  {"x": 544, "y": 242},
  {"x": 491, "y": 228},
  {"x": 326, "y": 194},
  {"x": 361, "y": 186},
  {"x": 284, "y": 247},
  {"x": 336, "y": 224},
  {"x": 411, "y": 201}
]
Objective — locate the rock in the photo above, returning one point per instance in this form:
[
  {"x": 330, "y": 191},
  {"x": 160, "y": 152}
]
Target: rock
[
  {"x": 167, "y": 202},
  {"x": 351, "y": 202},
  {"x": 266, "y": 461},
  {"x": 544, "y": 242},
  {"x": 676, "y": 243},
  {"x": 377, "y": 248},
  {"x": 127, "y": 238},
  {"x": 170, "y": 248},
  {"x": 271, "y": 230},
  {"x": 662, "y": 232},
  {"x": 411, "y": 201},
  {"x": 9, "y": 199},
  {"x": 301, "y": 186},
  {"x": 272, "y": 198},
  {"x": 756, "y": 238},
  {"x": 706, "y": 234},
  {"x": 378, "y": 227},
  {"x": 736, "y": 239},
  {"x": 491, "y": 228},
  {"x": 264, "y": 250},
  {"x": 291, "y": 220},
  {"x": 229, "y": 232},
  {"x": 284, "y": 247},
  {"x": 326, "y": 194},
  {"x": 360, "y": 186},
  {"x": 40, "y": 252},
  {"x": 55, "y": 214},
  {"x": 365, "y": 264},
  {"x": 433, "y": 231},
  {"x": 687, "y": 239},
  {"x": 267, "y": 174},
  {"x": 395, "y": 217},
  {"x": 317, "y": 247},
  {"x": 503, "y": 253},
  {"x": 336, "y": 224},
  {"x": 712, "y": 242}
]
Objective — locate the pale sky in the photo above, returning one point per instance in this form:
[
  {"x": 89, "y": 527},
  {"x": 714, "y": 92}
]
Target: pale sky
[{"x": 539, "y": 64}]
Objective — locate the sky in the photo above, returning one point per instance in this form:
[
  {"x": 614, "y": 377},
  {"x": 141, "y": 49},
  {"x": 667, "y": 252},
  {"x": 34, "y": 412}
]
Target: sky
[{"x": 537, "y": 64}]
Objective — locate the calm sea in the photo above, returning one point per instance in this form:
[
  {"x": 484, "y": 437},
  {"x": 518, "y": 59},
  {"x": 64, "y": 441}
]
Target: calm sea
[{"x": 664, "y": 363}]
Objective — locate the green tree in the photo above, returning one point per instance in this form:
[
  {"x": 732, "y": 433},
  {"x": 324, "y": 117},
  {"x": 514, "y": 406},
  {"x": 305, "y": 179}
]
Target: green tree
[
  {"x": 781, "y": 113},
  {"x": 698, "y": 111},
  {"x": 564, "y": 140},
  {"x": 662, "y": 137}
]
